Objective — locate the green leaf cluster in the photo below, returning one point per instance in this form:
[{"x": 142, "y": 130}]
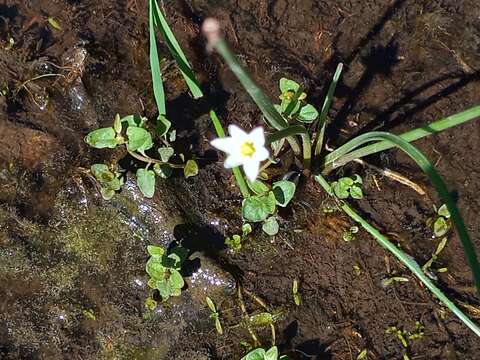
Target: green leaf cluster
[
  {"x": 214, "y": 315},
  {"x": 109, "y": 181},
  {"x": 261, "y": 206},
  {"x": 293, "y": 105},
  {"x": 132, "y": 132},
  {"x": 164, "y": 270},
  {"x": 347, "y": 187},
  {"x": 261, "y": 354},
  {"x": 441, "y": 224},
  {"x": 235, "y": 242}
]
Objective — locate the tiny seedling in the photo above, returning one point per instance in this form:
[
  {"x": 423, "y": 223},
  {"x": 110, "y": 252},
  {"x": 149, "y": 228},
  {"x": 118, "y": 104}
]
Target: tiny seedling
[
  {"x": 346, "y": 187},
  {"x": 108, "y": 180},
  {"x": 363, "y": 355},
  {"x": 262, "y": 206},
  {"x": 164, "y": 270},
  {"x": 427, "y": 267},
  {"x": 261, "y": 354},
  {"x": 441, "y": 223},
  {"x": 405, "y": 337},
  {"x": 214, "y": 315},
  {"x": 150, "y": 303},
  {"x": 235, "y": 242},
  {"x": 297, "y": 298},
  {"x": 293, "y": 105},
  {"x": 392, "y": 280},
  {"x": 350, "y": 234}
]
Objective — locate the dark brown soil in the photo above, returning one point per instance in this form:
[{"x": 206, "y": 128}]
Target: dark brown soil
[{"x": 406, "y": 63}]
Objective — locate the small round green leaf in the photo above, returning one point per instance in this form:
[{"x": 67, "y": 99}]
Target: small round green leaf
[
  {"x": 288, "y": 85},
  {"x": 166, "y": 153},
  {"x": 176, "y": 279},
  {"x": 246, "y": 229},
  {"x": 146, "y": 182},
  {"x": 440, "y": 226},
  {"x": 283, "y": 191},
  {"x": 155, "y": 269},
  {"x": 272, "y": 354},
  {"x": 102, "y": 138},
  {"x": 308, "y": 114},
  {"x": 139, "y": 139},
  {"x": 356, "y": 192},
  {"x": 257, "y": 208},
  {"x": 155, "y": 250},
  {"x": 190, "y": 169},
  {"x": 270, "y": 226},
  {"x": 340, "y": 191},
  {"x": 443, "y": 211},
  {"x": 257, "y": 354}
]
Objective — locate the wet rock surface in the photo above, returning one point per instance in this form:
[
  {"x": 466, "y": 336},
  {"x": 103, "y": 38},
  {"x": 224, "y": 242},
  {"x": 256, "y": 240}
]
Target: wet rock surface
[{"x": 77, "y": 284}]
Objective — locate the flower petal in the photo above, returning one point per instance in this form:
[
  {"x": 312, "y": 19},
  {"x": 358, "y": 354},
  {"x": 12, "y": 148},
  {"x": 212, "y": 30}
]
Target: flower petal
[
  {"x": 261, "y": 154},
  {"x": 257, "y": 136},
  {"x": 222, "y": 144},
  {"x": 232, "y": 161},
  {"x": 236, "y": 132},
  {"x": 251, "y": 168}
]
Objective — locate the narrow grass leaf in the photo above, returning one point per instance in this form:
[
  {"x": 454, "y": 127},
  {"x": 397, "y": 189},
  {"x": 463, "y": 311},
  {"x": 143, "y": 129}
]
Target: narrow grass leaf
[
  {"x": 342, "y": 155},
  {"x": 436, "y": 180},
  {"x": 175, "y": 50},
  {"x": 322, "y": 121},
  {"x": 157, "y": 81},
  {"x": 403, "y": 257}
]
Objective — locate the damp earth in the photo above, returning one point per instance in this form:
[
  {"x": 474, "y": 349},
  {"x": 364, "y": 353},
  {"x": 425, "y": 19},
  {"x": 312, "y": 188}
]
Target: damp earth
[{"x": 72, "y": 265}]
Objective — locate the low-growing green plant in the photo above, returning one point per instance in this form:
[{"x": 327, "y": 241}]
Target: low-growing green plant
[
  {"x": 427, "y": 267},
  {"x": 164, "y": 270},
  {"x": 134, "y": 132},
  {"x": 441, "y": 223},
  {"x": 131, "y": 131},
  {"x": 214, "y": 315},
  {"x": 297, "y": 298},
  {"x": 278, "y": 120},
  {"x": 346, "y": 187},
  {"x": 261, "y": 354},
  {"x": 109, "y": 180},
  {"x": 405, "y": 337},
  {"x": 235, "y": 242},
  {"x": 349, "y": 235}
]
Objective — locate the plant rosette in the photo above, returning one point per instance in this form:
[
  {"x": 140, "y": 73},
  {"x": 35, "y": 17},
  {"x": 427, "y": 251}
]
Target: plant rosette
[{"x": 164, "y": 270}]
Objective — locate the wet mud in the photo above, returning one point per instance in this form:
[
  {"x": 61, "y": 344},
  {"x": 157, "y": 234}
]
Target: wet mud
[{"x": 72, "y": 266}]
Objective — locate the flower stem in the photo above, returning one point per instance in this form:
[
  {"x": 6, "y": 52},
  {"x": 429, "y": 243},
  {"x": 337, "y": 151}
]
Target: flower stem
[{"x": 291, "y": 131}]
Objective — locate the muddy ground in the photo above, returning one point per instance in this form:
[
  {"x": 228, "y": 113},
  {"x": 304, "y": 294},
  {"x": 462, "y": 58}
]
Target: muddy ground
[{"x": 72, "y": 278}]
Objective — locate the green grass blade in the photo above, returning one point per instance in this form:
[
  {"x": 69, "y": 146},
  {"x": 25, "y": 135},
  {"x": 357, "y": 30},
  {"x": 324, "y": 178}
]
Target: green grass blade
[
  {"x": 322, "y": 120},
  {"x": 236, "y": 170},
  {"x": 157, "y": 81},
  {"x": 439, "y": 184},
  {"x": 339, "y": 157},
  {"x": 175, "y": 50},
  {"x": 404, "y": 258}
]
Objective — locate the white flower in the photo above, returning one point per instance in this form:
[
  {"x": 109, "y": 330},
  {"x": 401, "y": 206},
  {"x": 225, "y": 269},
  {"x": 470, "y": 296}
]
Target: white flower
[{"x": 246, "y": 149}]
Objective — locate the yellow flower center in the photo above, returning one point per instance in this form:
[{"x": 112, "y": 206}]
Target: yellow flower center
[{"x": 247, "y": 149}]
